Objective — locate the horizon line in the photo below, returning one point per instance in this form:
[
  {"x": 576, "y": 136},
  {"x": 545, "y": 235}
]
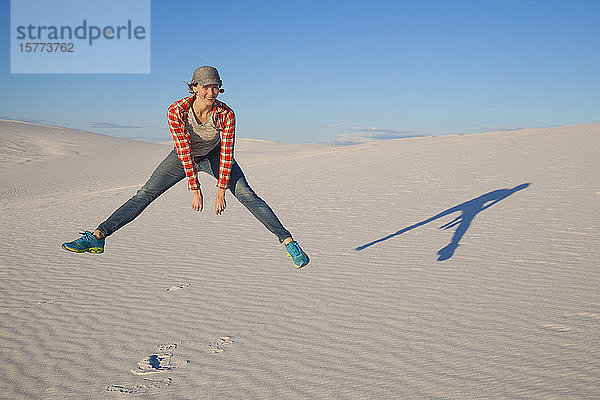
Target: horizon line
[{"x": 331, "y": 142}]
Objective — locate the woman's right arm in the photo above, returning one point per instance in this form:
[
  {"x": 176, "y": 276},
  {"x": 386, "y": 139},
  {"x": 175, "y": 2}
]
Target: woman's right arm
[{"x": 182, "y": 142}]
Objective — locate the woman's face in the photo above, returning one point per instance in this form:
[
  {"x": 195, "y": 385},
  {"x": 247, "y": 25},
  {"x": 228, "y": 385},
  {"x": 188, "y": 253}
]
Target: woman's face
[{"x": 207, "y": 94}]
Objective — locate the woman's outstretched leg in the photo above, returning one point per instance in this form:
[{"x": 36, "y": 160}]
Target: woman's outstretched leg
[
  {"x": 168, "y": 173},
  {"x": 261, "y": 210},
  {"x": 258, "y": 207}
]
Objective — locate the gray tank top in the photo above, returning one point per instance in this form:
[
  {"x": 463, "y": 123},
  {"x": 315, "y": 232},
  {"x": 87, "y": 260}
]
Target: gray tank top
[{"x": 205, "y": 137}]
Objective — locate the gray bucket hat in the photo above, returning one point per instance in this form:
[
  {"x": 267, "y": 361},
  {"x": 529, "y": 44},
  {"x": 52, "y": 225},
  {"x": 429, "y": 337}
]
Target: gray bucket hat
[{"x": 206, "y": 76}]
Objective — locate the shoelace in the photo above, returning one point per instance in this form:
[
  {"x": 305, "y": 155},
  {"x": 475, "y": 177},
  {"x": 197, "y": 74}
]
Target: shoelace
[{"x": 87, "y": 235}]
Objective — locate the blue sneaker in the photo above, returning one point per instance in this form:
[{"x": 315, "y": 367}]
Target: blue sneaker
[
  {"x": 87, "y": 242},
  {"x": 298, "y": 257}
]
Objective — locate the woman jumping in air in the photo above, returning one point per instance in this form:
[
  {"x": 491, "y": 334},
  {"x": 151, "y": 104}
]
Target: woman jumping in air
[{"x": 203, "y": 131}]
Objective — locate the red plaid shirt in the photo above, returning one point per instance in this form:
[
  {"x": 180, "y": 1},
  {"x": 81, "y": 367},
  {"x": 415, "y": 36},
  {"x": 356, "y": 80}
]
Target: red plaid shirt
[{"x": 224, "y": 119}]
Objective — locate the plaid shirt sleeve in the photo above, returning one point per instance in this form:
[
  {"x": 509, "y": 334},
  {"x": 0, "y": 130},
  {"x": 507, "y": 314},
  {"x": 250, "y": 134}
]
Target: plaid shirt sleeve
[
  {"x": 226, "y": 123},
  {"x": 176, "y": 115}
]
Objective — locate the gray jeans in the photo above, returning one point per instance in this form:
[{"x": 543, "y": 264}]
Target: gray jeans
[{"x": 170, "y": 171}]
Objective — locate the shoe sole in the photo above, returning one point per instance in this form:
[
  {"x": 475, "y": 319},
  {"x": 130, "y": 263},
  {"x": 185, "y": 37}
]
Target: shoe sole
[
  {"x": 96, "y": 250},
  {"x": 296, "y": 266}
]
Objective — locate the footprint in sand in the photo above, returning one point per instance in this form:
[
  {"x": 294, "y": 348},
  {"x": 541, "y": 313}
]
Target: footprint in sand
[
  {"x": 146, "y": 386},
  {"x": 220, "y": 345},
  {"x": 40, "y": 303},
  {"x": 179, "y": 286},
  {"x": 166, "y": 346},
  {"x": 29, "y": 306},
  {"x": 159, "y": 362},
  {"x": 154, "y": 363}
]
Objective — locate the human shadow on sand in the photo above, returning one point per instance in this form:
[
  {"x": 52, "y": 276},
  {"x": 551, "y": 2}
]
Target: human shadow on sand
[{"x": 468, "y": 211}]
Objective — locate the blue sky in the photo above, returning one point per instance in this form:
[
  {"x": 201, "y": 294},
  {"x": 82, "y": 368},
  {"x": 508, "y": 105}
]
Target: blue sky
[{"x": 322, "y": 71}]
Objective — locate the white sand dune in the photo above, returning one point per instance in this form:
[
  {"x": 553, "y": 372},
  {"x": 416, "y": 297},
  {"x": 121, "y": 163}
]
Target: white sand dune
[{"x": 502, "y": 303}]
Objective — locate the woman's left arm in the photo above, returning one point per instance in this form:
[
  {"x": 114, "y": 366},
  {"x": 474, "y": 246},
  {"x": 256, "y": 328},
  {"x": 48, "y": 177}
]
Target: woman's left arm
[
  {"x": 227, "y": 144},
  {"x": 226, "y": 159}
]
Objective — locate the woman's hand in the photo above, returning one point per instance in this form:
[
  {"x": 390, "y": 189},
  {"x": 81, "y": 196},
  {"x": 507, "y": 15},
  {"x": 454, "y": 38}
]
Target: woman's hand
[
  {"x": 220, "y": 201},
  {"x": 197, "y": 202}
]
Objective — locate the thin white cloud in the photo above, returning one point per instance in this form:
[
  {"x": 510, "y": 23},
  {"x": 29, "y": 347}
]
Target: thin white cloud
[
  {"x": 109, "y": 125},
  {"x": 499, "y": 128},
  {"x": 368, "y": 134}
]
